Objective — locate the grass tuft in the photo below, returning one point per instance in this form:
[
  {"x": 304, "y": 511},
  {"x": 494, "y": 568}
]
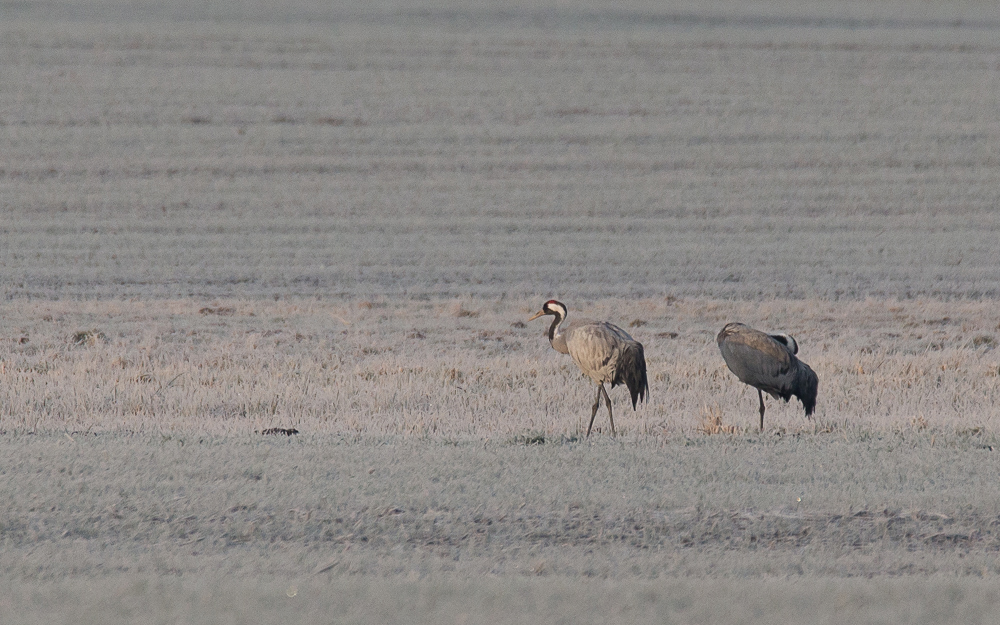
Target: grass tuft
[
  {"x": 88, "y": 338},
  {"x": 277, "y": 431},
  {"x": 711, "y": 422},
  {"x": 984, "y": 340},
  {"x": 530, "y": 439}
]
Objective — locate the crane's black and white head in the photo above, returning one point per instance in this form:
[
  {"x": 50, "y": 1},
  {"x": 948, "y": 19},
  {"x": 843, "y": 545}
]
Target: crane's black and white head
[
  {"x": 551, "y": 307},
  {"x": 787, "y": 341}
]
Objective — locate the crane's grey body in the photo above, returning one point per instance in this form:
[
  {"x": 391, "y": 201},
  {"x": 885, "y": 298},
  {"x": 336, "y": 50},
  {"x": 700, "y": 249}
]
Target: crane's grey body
[
  {"x": 604, "y": 353},
  {"x": 768, "y": 362}
]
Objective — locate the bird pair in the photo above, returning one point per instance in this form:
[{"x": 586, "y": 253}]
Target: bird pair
[{"x": 607, "y": 354}]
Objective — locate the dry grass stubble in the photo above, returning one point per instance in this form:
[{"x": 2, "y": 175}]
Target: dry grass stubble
[{"x": 472, "y": 369}]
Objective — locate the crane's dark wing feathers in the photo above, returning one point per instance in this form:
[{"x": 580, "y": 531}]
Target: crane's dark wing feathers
[
  {"x": 806, "y": 386},
  {"x": 631, "y": 372},
  {"x": 768, "y": 362}
]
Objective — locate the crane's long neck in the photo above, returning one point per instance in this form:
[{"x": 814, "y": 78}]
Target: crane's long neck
[{"x": 556, "y": 338}]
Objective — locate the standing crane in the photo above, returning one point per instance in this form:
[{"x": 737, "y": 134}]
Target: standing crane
[
  {"x": 768, "y": 363},
  {"x": 603, "y": 351}
]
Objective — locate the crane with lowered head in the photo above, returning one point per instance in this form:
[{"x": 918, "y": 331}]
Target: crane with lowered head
[{"x": 768, "y": 362}]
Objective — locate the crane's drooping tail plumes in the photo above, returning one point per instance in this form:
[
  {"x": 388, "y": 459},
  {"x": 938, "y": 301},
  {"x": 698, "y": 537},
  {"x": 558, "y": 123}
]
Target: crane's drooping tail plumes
[
  {"x": 806, "y": 387},
  {"x": 632, "y": 372}
]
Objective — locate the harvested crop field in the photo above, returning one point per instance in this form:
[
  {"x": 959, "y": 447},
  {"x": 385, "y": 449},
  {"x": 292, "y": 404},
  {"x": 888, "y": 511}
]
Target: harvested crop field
[{"x": 264, "y": 350}]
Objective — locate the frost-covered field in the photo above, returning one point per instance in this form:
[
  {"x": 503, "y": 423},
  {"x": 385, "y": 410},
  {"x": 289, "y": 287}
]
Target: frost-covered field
[
  {"x": 472, "y": 369},
  {"x": 829, "y": 150},
  {"x": 701, "y": 529},
  {"x": 222, "y": 217}
]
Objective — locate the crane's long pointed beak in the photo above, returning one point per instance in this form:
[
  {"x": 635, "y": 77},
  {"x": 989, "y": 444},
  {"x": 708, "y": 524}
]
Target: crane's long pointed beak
[{"x": 538, "y": 314}]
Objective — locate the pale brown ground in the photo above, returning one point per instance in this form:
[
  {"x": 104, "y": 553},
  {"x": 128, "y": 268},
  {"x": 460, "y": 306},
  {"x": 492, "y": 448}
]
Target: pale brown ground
[
  {"x": 219, "y": 217},
  {"x": 473, "y": 369}
]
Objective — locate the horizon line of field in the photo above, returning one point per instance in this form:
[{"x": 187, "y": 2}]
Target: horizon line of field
[{"x": 110, "y": 292}]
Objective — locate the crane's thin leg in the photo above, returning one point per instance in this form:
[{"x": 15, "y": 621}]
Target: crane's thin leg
[
  {"x": 593, "y": 413},
  {"x": 761, "y": 396},
  {"x": 608, "y": 400}
]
